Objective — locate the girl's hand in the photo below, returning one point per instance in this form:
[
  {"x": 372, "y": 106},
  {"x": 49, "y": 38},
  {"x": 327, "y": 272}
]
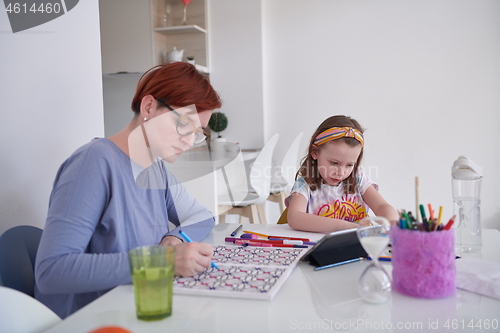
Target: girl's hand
[
  {"x": 379, "y": 206},
  {"x": 365, "y": 223},
  {"x": 374, "y": 221}
]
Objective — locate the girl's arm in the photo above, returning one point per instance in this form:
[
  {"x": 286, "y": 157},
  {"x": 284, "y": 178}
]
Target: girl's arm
[
  {"x": 300, "y": 220},
  {"x": 377, "y": 203}
]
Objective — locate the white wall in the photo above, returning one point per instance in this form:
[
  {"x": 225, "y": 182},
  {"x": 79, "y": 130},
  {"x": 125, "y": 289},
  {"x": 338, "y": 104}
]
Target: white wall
[
  {"x": 118, "y": 93},
  {"x": 423, "y": 77},
  {"x": 126, "y": 38},
  {"x": 235, "y": 43},
  {"x": 51, "y": 98}
]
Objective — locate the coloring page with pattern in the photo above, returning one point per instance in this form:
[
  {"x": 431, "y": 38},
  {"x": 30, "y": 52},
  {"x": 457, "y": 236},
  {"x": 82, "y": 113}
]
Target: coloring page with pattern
[{"x": 244, "y": 272}]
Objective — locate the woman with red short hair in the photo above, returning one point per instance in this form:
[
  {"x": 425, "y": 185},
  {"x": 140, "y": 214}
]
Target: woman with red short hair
[{"x": 114, "y": 194}]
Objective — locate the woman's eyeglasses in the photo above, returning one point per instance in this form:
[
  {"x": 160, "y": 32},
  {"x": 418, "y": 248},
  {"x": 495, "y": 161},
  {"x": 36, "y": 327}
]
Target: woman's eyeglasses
[{"x": 185, "y": 126}]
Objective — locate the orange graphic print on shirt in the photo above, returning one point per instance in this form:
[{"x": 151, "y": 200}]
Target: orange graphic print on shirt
[{"x": 347, "y": 209}]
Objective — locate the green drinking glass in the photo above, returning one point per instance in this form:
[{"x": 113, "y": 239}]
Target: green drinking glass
[{"x": 152, "y": 269}]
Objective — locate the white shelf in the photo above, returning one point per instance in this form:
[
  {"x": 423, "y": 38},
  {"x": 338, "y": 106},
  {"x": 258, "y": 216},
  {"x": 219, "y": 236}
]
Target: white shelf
[
  {"x": 192, "y": 38},
  {"x": 120, "y": 75},
  {"x": 181, "y": 29}
]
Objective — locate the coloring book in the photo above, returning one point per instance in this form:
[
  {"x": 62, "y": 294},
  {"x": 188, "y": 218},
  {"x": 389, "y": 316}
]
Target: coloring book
[{"x": 244, "y": 272}]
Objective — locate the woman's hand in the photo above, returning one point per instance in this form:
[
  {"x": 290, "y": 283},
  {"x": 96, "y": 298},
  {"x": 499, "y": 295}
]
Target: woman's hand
[
  {"x": 170, "y": 241},
  {"x": 190, "y": 258}
]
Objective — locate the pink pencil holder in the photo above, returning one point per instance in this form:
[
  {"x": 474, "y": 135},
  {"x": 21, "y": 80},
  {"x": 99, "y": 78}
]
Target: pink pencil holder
[{"x": 423, "y": 263}]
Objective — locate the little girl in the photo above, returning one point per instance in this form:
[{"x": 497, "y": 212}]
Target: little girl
[{"x": 331, "y": 192}]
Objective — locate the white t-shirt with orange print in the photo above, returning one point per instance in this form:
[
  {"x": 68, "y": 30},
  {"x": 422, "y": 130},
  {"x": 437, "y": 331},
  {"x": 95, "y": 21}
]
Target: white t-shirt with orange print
[{"x": 331, "y": 201}]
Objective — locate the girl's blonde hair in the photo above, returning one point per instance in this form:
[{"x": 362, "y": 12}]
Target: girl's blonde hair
[{"x": 309, "y": 166}]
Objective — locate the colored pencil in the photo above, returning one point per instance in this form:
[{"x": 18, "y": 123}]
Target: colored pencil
[
  {"x": 432, "y": 224},
  {"x": 337, "y": 264},
  {"x": 440, "y": 214},
  {"x": 255, "y": 233},
  {"x": 450, "y": 223},
  {"x": 431, "y": 212},
  {"x": 422, "y": 213}
]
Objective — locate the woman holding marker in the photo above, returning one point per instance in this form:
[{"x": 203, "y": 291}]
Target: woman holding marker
[
  {"x": 114, "y": 194},
  {"x": 331, "y": 192}
]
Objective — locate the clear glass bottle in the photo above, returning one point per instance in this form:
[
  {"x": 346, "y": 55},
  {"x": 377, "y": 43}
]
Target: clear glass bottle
[
  {"x": 167, "y": 16},
  {"x": 466, "y": 186}
]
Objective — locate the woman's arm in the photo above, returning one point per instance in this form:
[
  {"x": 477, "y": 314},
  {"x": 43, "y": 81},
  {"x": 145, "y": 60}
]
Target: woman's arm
[
  {"x": 76, "y": 204},
  {"x": 300, "y": 220},
  {"x": 377, "y": 203},
  {"x": 187, "y": 213}
]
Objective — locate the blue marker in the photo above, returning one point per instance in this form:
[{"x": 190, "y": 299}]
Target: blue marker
[
  {"x": 187, "y": 239},
  {"x": 337, "y": 264}
]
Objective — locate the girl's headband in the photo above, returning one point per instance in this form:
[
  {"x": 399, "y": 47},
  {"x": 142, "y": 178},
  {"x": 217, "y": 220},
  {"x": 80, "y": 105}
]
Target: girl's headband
[{"x": 335, "y": 133}]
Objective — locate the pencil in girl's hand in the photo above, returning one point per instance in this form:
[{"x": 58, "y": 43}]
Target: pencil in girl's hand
[{"x": 450, "y": 223}]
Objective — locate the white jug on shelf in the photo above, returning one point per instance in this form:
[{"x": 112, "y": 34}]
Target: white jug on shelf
[{"x": 174, "y": 55}]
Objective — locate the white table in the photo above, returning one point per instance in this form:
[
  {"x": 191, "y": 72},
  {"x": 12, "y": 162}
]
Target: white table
[
  {"x": 201, "y": 171},
  {"x": 309, "y": 300}
]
